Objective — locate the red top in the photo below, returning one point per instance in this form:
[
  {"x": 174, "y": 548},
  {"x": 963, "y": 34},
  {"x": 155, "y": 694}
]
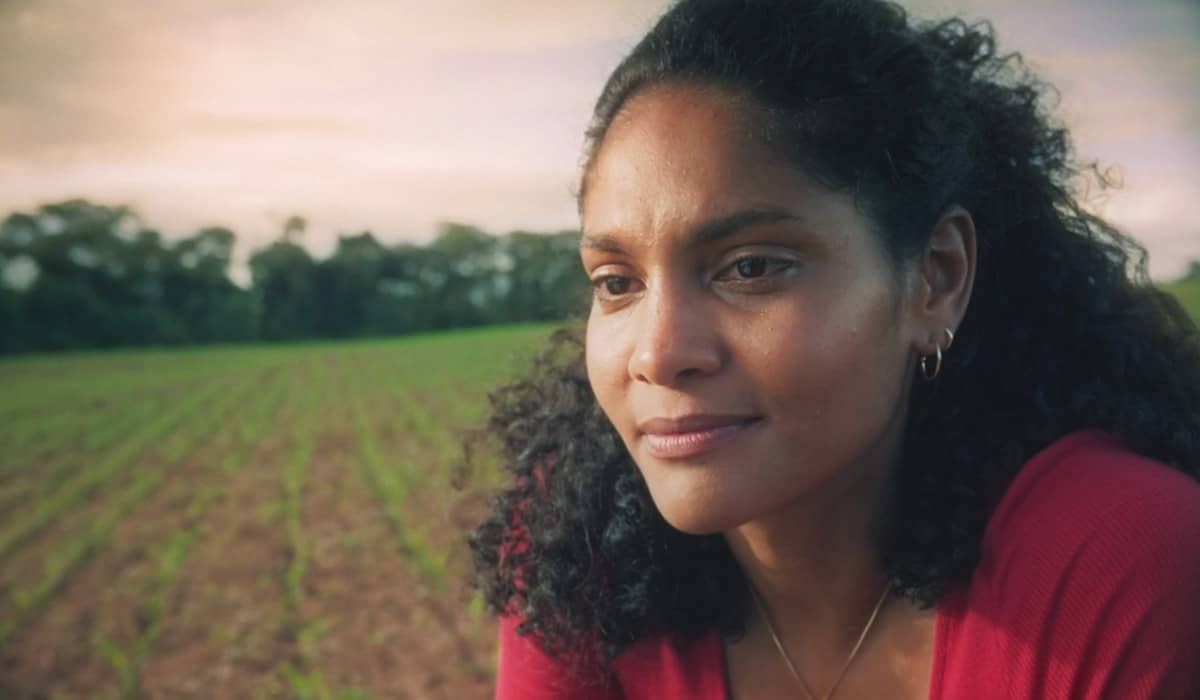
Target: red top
[{"x": 1088, "y": 588}]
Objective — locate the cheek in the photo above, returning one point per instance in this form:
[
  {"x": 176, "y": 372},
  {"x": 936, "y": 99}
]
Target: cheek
[
  {"x": 864, "y": 369},
  {"x": 840, "y": 360},
  {"x": 605, "y": 369}
]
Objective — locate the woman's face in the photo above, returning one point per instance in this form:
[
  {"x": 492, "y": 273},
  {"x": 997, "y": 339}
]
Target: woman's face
[{"x": 748, "y": 339}]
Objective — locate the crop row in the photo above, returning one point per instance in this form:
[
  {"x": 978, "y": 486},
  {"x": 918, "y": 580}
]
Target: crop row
[
  {"x": 236, "y": 440},
  {"x": 32, "y": 474},
  {"x": 67, "y": 557},
  {"x": 76, "y": 489},
  {"x": 305, "y": 679},
  {"x": 393, "y": 480}
]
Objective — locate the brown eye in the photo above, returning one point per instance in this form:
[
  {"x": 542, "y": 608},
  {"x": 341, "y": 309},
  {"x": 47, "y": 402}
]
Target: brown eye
[
  {"x": 751, "y": 267},
  {"x": 616, "y": 286},
  {"x": 613, "y": 287},
  {"x": 754, "y": 267}
]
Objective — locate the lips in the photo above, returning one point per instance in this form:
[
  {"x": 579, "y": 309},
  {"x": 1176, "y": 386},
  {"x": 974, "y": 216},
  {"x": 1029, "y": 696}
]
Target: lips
[{"x": 692, "y": 435}]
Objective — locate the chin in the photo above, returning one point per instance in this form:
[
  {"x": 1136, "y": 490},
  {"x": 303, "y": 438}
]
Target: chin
[
  {"x": 710, "y": 522},
  {"x": 698, "y": 511}
]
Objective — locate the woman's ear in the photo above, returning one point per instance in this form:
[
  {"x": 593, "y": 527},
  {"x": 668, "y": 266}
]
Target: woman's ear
[{"x": 945, "y": 274}]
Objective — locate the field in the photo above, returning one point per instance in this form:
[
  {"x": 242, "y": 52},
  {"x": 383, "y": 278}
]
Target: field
[
  {"x": 251, "y": 522},
  {"x": 1188, "y": 293}
]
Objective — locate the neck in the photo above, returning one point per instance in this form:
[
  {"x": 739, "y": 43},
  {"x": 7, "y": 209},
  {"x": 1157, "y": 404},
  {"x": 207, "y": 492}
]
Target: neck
[
  {"x": 814, "y": 574},
  {"x": 815, "y": 563}
]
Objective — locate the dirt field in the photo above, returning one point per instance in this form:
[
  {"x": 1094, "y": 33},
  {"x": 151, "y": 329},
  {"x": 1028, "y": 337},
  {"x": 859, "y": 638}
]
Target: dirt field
[{"x": 245, "y": 522}]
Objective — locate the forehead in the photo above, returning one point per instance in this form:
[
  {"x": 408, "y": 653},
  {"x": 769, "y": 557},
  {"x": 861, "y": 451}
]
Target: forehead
[
  {"x": 686, "y": 153},
  {"x": 676, "y": 157}
]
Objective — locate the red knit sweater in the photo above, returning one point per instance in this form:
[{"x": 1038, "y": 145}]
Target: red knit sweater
[{"x": 1089, "y": 588}]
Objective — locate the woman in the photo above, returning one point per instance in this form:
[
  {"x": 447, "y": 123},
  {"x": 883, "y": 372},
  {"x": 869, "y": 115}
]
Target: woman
[{"x": 868, "y": 406}]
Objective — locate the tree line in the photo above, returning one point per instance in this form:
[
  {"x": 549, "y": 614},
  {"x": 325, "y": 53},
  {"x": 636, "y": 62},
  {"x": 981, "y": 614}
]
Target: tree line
[{"x": 76, "y": 274}]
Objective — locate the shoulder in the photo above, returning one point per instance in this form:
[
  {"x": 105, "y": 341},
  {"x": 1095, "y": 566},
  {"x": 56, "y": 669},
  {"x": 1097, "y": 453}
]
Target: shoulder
[
  {"x": 653, "y": 668},
  {"x": 1088, "y": 583},
  {"x": 1085, "y": 494},
  {"x": 660, "y": 667},
  {"x": 526, "y": 672}
]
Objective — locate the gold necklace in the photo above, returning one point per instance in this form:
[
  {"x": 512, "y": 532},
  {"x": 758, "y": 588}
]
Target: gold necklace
[{"x": 762, "y": 611}]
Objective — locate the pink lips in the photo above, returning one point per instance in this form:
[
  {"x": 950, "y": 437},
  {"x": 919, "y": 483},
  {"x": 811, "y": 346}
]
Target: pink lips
[{"x": 689, "y": 436}]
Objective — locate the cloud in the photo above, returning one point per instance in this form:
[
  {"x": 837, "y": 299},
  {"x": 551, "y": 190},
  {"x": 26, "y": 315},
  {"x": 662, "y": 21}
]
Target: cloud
[{"x": 392, "y": 115}]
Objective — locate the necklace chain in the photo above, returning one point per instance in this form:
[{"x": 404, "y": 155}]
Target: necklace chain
[{"x": 762, "y": 611}]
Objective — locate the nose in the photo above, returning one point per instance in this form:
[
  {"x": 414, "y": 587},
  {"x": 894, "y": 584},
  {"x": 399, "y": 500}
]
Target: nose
[{"x": 676, "y": 339}]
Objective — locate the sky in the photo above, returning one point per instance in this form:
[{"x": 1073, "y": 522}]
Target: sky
[{"x": 395, "y": 115}]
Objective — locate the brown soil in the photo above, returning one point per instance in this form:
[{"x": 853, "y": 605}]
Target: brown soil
[
  {"x": 451, "y": 517},
  {"x": 61, "y": 652},
  {"x": 385, "y": 630},
  {"x": 224, "y": 635},
  {"x": 227, "y": 629},
  {"x": 38, "y": 470},
  {"x": 24, "y": 567}
]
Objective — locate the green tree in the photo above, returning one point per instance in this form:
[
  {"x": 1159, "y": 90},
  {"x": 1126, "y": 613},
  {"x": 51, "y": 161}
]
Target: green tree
[
  {"x": 284, "y": 292},
  {"x": 546, "y": 280},
  {"x": 76, "y": 274},
  {"x": 82, "y": 296},
  {"x": 197, "y": 289},
  {"x": 463, "y": 270},
  {"x": 346, "y": 282},
  {"x": 406, "y": 293}
]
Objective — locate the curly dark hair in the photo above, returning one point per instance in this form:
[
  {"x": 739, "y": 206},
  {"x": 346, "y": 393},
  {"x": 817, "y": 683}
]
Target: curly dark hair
[{"x": 1063, "y": 332}]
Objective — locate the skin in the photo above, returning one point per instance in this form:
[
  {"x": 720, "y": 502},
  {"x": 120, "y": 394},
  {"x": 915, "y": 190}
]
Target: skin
[{"x": 732, "y": 286}]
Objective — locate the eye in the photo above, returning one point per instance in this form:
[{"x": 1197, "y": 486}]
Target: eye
[
  {"x": 753, "y": 267},
  {"x": 611, "y": 287}
]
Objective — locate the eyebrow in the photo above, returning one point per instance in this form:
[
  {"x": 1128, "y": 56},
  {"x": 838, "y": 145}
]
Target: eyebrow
[{"x": 706, "y": 233}]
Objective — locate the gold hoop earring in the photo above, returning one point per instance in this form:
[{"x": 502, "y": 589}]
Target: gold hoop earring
[{"x": 937, "y": 365}]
